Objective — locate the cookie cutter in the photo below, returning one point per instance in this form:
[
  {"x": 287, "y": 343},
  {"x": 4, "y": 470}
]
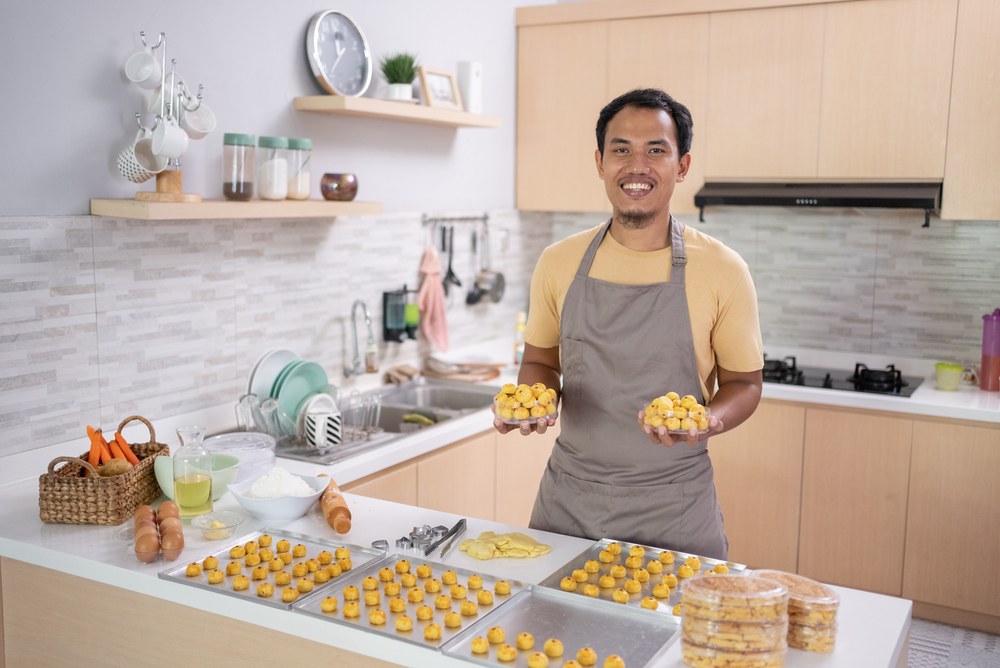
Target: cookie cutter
[
  {"x": 404, "y": 543},
  {"x": 381, "y": 544}
]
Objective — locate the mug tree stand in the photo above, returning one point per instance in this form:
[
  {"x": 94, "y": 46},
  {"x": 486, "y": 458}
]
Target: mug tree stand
[{"x": 168, "y": 189}]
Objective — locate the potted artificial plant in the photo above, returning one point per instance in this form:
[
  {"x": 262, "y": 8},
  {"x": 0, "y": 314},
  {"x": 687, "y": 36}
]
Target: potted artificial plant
[{"x": 399, "y": 70}]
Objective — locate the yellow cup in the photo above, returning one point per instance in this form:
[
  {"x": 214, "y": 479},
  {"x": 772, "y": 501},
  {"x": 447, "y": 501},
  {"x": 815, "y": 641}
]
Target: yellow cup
[{"x": 948, "y": 375}]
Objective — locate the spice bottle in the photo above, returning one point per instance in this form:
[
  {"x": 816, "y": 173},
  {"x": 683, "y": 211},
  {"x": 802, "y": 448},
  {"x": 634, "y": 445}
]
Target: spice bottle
[
  {"x": 192, "y": 473},
  {"x": 519, "y": 327},
  {"x": 299, "y": 152},
  {"x": 237, "y": 166},
  {"x": 989, "y": 370},
  {"x": 272, "y": 167}
]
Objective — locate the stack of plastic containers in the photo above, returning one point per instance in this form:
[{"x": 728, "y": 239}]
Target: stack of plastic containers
[
  {"x": 734, "y": 621},
  {"x": 812, "y": 611}
]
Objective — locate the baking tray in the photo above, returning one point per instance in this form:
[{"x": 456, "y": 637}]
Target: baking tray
[
  {"x": 666, "y": 605},
  {"x": 578, "y": 621},
  {"x": 311, "y": 605},
  {"x": 360, "y": 557}
]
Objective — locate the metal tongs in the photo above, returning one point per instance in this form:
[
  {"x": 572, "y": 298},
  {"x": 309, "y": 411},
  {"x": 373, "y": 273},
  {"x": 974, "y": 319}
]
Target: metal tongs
[{"x": 453, "y": 533}]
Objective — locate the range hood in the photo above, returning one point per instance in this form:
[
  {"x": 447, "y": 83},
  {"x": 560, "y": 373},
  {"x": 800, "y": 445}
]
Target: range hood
[{"x": 924, "y": 196}]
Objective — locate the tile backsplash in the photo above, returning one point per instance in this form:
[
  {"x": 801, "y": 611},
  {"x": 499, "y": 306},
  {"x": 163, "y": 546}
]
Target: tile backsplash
[{"x": 104, "y": 318}]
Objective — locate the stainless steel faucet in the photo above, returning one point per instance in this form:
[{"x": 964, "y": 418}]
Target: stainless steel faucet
[{"x": 370, "y": 364}]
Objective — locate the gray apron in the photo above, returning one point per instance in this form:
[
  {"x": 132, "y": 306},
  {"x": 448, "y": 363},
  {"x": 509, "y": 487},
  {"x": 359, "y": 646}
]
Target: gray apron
[{"x": 621, "y": 346}]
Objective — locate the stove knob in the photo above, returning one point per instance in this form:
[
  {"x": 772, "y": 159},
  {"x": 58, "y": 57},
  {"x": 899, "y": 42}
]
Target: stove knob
[{"x": 828, "y": 382}]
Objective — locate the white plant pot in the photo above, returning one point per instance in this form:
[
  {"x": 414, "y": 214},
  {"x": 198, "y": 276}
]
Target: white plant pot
[{"x": 399, "y": 91}]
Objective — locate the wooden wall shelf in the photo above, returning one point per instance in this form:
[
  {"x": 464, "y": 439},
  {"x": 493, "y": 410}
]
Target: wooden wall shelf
[
  {"x": 216, "y": 209},
  {"x": 393, "y": 111}
]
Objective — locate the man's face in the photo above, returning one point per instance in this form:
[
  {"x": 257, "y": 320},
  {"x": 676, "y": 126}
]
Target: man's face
[{"x": 640, "y": 165}]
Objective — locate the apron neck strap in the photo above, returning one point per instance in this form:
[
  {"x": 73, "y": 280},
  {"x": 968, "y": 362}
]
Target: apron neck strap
[{"x": 675, "y": 234}]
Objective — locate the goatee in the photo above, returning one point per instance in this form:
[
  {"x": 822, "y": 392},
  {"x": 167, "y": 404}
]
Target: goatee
[{"x": 634, "y": 220}]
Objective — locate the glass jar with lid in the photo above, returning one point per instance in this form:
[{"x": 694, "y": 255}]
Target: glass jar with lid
[
  {"x": 237, "y": 166},
  {"x": 272, "y": 167},
  {"x": 299, "y": 152}
]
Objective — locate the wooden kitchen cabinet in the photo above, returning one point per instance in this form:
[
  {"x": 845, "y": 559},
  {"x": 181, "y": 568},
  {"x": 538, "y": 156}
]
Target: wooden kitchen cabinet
[
  {"x": 398, "y": 484},
  {"x": 764, "y": 78},
  {"x": 855, "y": 474},
  {"x": 758, "y": 478},
  {"x": 520, "y": 463},
  {"x": 562, "y": 83},
  {"x": 886, "y": 81},
  {"x": 675, "y": 53},
  {"x": 952, "y": 537},
  {"x": 972, "y": 168},
  {"x": 459, "y": 478}
]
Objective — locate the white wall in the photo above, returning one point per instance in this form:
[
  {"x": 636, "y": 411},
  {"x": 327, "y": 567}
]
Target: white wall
[{"x": 68, "y": 110}]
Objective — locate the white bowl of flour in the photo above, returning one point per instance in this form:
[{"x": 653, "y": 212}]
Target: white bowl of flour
[{"x": 279, "y": 496}]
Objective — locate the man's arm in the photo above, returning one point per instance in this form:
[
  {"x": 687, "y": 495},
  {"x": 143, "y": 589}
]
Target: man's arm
[{"x": 538, "y": 365}]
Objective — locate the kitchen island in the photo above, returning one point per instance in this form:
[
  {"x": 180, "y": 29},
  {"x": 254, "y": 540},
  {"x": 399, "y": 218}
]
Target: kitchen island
[{"x": 77, "y": 593}]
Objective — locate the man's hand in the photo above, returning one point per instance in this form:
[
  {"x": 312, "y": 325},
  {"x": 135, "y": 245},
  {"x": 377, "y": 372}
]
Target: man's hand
[{"x": 662, "y": 436}]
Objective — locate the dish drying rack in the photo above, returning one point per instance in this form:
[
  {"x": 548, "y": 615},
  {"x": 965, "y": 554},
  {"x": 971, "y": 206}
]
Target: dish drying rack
[{"x": 360, "y": 416}]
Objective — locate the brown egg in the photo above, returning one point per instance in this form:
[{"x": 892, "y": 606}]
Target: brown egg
[
  {"x": 144, "y": 512},
  {"x": 173, "y": 545},
  {"x": 146, "y": 522},
  {"x": 147, "y": 530},
  {"x": 171, "y": 524},
  {"x": 168, "y": 509},
  {"x": 147, "y": 548}
]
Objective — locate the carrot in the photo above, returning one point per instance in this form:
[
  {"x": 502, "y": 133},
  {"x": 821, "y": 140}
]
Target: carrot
[
  {"x": 105, "y": 448},
  {"x": 116, "y": 451},
  {"x": 94, "y": 457},
  {"x": 126, "y": 449}
]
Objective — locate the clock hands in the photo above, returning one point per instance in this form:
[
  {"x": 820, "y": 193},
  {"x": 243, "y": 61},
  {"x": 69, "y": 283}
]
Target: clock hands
[{"x": 338, "y": 38}]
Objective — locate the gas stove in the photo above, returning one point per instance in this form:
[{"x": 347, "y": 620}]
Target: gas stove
[{"x": 889, "y": 381}]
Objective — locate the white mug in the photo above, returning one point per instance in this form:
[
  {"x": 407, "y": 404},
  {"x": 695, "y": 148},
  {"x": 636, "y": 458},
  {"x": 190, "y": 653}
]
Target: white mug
[
  {"x": 137, "y": 162},
  {"x": 323, "y": 429},
  {"x": 169, "y": 140},
  {"x": 199, "y": 122},
  {"x": 142, "y": 69}
]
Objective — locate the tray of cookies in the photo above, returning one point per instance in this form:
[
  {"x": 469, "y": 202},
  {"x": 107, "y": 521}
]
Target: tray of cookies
[
  {"x": 421, "y": 602},
  {"x": 273, "y": 566},
  {"x": 542, "y": 627},
  {"x": 634, "y": 575}
]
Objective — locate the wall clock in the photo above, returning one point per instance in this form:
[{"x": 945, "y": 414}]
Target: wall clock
[{"x": 338, "y": 54}]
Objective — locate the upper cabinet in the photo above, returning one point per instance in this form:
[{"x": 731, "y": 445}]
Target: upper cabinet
[
  {"x": 841, "y": 91},
  {"x": 764, "y": 93},
  {"x": 674, "y": 53},
  {"x": 886, "y": 80},
  {"x": 878, "y": 90},
  {"x": 972, "y": 168},
  {"x": 562, "y": 83}
]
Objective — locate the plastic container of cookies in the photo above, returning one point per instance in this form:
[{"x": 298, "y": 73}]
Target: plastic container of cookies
[
  {"x": 515, "y": 404},
  {"x": 706, "y": 657},
  {"x": 733, "y": 598},
  {"x": 529, "y": 420},
  {"x": 735, "y": 636},
  {"x": 810, "y": 603},
  {"x": 820, "y": 639}
]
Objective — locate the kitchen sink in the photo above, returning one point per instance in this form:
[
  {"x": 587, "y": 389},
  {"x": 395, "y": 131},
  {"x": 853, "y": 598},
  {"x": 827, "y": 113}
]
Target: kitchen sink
[{"x": 438, "y": 400}]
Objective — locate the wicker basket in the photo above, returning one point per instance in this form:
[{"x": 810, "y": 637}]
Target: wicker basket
[{"x": 67, "y": 496}]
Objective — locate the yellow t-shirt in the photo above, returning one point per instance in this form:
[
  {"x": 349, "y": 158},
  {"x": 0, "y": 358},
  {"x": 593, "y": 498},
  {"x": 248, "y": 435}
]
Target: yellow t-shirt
[{"x": 722, "y": 300}]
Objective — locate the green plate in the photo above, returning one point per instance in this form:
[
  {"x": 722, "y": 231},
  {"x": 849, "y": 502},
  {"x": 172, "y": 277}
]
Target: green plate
[
  {"x": 305, "y": 379},
  {"x": 283, "y": 375}
]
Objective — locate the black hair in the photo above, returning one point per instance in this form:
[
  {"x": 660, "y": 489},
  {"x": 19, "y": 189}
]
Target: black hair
[{"x": 648, "y": 98}]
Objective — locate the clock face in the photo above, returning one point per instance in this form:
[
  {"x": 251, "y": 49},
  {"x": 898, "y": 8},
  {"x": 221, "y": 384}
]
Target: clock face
[{"x": 338, "y": 54}]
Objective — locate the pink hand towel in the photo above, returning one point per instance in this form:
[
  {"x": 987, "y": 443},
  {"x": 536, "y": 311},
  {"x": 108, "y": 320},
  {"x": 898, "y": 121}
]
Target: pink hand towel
[{"x": 430, "y": 299}]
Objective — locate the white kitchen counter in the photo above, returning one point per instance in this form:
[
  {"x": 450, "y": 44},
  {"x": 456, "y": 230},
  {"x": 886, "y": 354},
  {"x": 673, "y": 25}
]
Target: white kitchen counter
[{"x": 873, "y": 629}]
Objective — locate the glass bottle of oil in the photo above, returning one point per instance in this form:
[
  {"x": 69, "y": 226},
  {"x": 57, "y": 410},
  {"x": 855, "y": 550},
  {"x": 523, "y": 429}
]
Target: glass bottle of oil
[{"x": 192, "y": 473}]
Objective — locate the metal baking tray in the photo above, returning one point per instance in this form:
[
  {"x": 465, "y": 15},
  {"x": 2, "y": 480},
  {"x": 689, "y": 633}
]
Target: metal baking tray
[
  {"x": 311, "y": 605},
  {"x": 577, "y": 621},
  {"x": 360, "y": 557},
  {"x": 666, "y": 604}
]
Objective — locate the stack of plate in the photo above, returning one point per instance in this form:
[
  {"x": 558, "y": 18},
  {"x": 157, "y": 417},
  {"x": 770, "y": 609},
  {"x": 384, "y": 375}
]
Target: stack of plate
[{"x": 292, "y": 382}]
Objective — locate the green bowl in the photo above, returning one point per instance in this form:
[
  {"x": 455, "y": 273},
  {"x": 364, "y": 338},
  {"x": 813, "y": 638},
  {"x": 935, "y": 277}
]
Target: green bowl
[{"x": 224, "y": 468}]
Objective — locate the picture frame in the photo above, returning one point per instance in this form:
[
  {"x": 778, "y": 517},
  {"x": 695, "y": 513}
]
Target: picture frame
[{"x": 439, "y": 88}]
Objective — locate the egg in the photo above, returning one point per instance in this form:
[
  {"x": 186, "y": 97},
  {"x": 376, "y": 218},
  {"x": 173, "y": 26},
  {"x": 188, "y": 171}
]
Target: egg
[
  {"x": 144, "y": 512},
  {"x": 173, "y": 545},
  {"x": 147, "y": 548},
  {"x": 171, "y": 523},
  {"x": 168, "y": 509}
]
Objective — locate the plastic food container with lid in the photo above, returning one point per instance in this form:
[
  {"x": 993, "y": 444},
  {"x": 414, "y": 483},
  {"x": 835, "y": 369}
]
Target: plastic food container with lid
[{"x": 255, "y": 451}]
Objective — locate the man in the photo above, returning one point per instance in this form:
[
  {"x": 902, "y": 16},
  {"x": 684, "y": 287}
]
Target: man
[{"x": 626, "y": 312}]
